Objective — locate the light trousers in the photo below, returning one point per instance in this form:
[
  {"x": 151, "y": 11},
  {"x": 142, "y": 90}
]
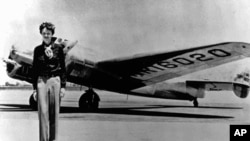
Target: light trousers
[{"x": 48, "y": 89}]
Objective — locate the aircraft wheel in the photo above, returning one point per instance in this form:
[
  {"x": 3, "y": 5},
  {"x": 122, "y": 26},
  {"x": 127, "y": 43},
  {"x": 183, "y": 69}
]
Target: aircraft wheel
[
  {"x": 33, "y": 103},
  {"x": 89, "y": 102},
  {"x": 84, "y": 103},
  {"x": 195, "y": 102}
]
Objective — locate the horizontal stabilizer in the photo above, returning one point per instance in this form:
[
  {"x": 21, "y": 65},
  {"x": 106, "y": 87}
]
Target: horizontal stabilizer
[{"x": 240, "y": 90}]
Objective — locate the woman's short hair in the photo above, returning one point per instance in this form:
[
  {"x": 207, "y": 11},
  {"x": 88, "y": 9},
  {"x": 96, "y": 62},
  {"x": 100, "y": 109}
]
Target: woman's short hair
[{"x": 47, "y": 25}]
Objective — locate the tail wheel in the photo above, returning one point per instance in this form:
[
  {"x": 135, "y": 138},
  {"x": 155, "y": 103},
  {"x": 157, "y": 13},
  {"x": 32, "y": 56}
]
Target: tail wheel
[{"x": 196, "y": 103}]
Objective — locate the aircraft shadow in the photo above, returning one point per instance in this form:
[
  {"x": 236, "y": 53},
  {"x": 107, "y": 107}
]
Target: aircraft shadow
[
  {"x": 15, "y": 108},
  {"x": 205, "y": 107},
  {"x": 138, "y": 111}
]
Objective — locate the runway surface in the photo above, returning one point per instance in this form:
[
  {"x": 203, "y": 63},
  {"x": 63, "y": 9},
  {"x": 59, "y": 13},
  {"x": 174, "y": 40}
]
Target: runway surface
[{"x": 124, "y": 118}]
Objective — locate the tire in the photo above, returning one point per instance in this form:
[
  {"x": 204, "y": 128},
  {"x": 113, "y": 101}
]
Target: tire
[
  {"x": 83, "y": 103},
  {"x": 89, "y": 102},
  {"x": 95, "y": 102},
  {"x": 33, "y": 103}
]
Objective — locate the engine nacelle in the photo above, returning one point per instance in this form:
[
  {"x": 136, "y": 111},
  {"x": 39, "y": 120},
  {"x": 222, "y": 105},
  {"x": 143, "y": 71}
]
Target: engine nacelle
[
  {"x": 20, "y": 57},
  {"x": 19, "y": 64},
  {"x": 18, "y": 71}
]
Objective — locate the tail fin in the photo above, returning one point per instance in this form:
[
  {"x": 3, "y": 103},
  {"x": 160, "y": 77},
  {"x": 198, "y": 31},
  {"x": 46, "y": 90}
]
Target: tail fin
[
  {"x": 241, "y": 87},
  {"x": 243, "y": 77},
  {"x": 241, "y": 90}
]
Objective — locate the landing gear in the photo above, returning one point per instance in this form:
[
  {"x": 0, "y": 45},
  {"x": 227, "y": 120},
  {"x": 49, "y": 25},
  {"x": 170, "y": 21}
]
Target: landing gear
[
  {"x": 89, "y": 101},
  {"x": 33, "y": 101},
  {"x": 195, "y": 102}
]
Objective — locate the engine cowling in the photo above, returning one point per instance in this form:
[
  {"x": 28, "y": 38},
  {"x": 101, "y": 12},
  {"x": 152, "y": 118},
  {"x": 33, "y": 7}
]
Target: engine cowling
[{"x": 18, "y": 71}]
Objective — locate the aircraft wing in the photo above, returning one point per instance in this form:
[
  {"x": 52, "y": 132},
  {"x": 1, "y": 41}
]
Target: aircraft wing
[{"x": 153, "y": 68}]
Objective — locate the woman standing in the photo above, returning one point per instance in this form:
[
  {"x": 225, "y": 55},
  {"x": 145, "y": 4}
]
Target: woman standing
[{"x": 49, "y": 75}]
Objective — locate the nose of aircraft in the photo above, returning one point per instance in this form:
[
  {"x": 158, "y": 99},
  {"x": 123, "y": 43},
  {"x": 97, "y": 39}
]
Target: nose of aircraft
[{"x": 9, "y": 67}]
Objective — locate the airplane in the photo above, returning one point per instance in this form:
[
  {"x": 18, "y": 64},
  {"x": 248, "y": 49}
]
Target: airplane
[{"x": 142, "y": 74}]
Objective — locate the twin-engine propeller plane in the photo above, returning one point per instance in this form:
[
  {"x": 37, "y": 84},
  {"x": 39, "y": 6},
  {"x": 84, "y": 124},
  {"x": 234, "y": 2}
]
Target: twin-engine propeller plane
[{"x": 142, "y": 75}]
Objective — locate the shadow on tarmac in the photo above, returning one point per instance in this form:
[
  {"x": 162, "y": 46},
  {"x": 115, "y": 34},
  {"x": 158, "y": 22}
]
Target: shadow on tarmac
[
  {"x": 138, "y": 111},
  {"x": 15, "y": 108},
  {"x": 205, "y": 107}
]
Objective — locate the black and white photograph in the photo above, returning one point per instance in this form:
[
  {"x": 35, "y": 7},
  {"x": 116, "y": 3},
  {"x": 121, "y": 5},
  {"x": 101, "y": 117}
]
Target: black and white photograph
[{"x": 124, "y": 70}]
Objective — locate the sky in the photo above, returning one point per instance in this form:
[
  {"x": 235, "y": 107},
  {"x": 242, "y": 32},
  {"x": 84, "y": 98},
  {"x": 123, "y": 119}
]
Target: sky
[{"x": 108, "y": 29}]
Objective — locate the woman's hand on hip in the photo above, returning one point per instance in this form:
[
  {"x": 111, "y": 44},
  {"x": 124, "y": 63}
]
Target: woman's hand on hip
[{"x": 62, "y": 92}]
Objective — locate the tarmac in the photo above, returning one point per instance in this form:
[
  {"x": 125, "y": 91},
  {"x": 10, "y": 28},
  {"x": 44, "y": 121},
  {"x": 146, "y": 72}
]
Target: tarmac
[{"x": 124, "y": 117}]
